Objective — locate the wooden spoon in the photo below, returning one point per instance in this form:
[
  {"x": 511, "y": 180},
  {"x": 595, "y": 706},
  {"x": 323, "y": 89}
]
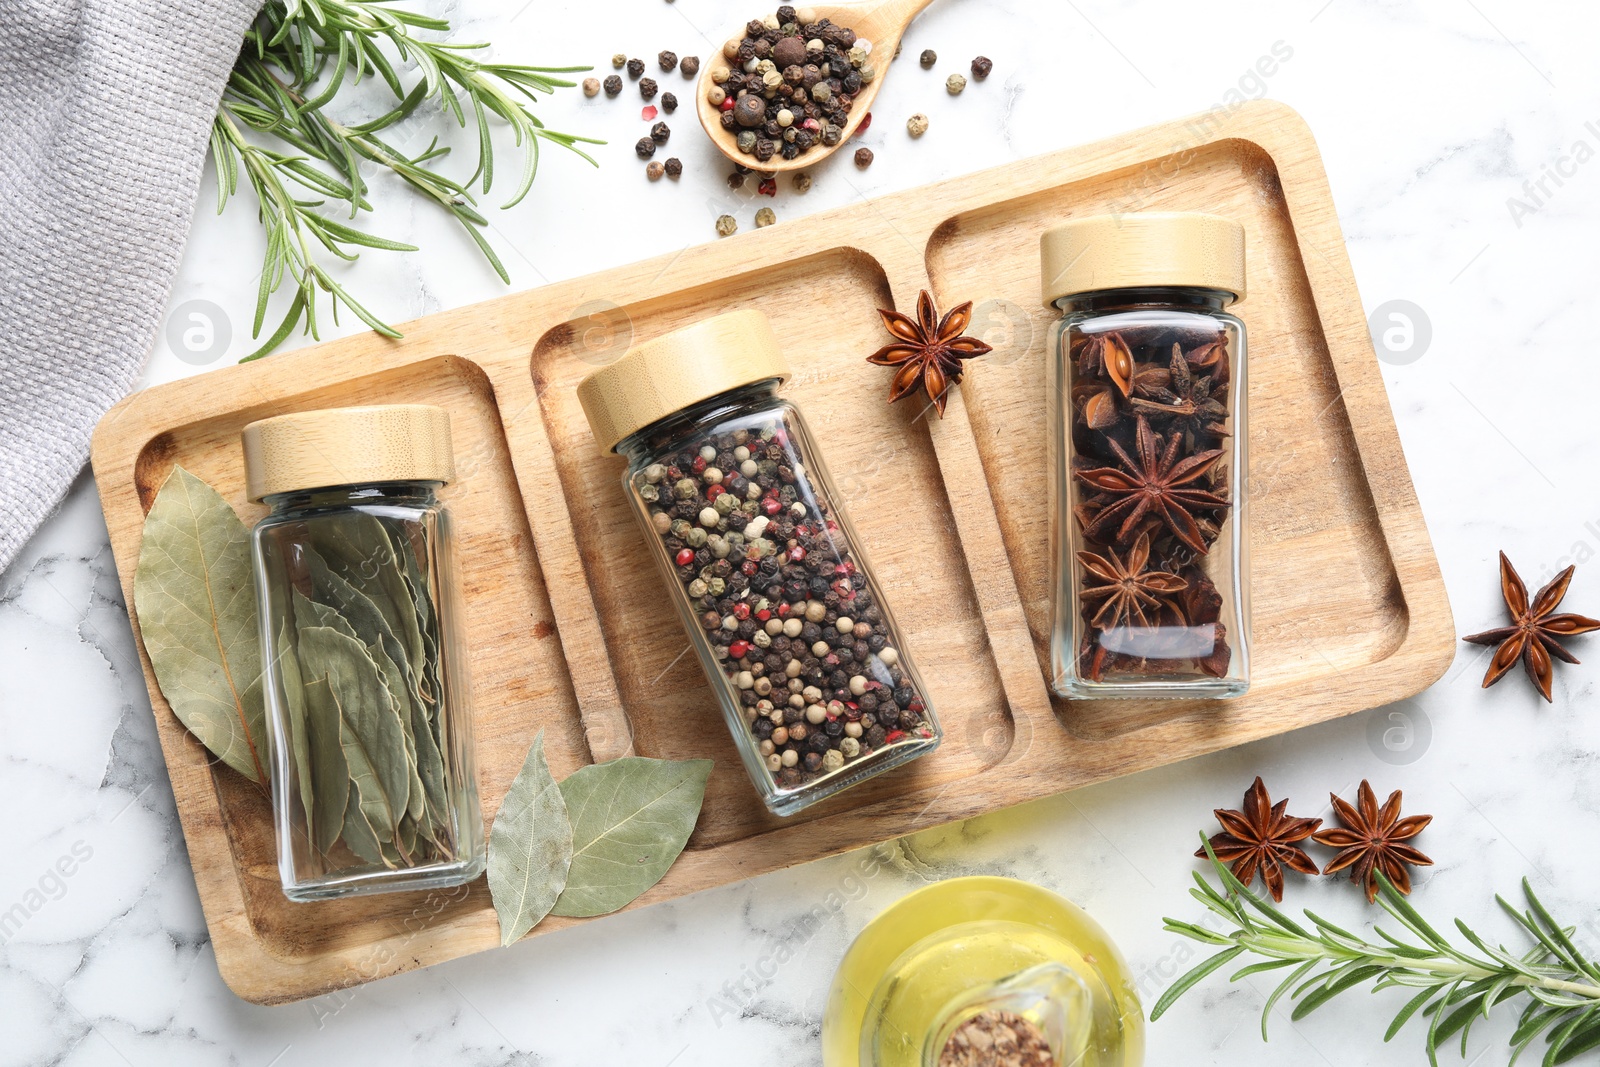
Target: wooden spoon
[{"x": 883, "y": 22}]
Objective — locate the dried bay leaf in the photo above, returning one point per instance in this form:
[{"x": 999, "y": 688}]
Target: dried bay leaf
[
  {"x": 372, "y": 736},
  {"x": 530, "y": 847},
  {"x": 194, "y": 596},
  {"x": 631, "y": 818},
  {"x": 358, "y": 832},
  {"x": 330, "y": 774},
  {"x": 288, "y": 667},
  {"x": 363, "y": 619},
  {"x": 358, "y": 548}
]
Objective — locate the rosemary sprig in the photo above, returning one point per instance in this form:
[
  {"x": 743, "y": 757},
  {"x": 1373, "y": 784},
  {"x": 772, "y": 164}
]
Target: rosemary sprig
[
  {"x": 295, "y": 59},
  {"x": 1455, "y": 987}
]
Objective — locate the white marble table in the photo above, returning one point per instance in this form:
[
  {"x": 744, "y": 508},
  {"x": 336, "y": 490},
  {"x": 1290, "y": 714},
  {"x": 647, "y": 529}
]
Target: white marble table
[{"x": 1459, "y": 141}]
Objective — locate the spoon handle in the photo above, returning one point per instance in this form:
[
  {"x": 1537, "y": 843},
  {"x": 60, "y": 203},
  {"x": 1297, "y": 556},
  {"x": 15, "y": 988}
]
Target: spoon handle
[{"x": 898, "y": 13}]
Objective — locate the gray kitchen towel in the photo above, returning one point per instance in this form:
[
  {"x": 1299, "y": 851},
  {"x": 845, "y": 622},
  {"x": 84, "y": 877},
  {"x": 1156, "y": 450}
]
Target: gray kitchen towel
[{"x": 105, "y": 116}]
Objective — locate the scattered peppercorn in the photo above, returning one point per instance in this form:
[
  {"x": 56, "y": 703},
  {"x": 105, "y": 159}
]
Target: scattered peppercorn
[
  {"x": 689, "y": 66},
  {"x": 660, "y": 132},
  {"x": 613, "y": 85},
  {"x": 619, "y": 60},
  {"x": 802, "y": 182},
  {"x": 647, "y": 113},
  {"x": 981, "y": 66},
  {"x": 646, "y": 148},
  {"x": 667, "y": 60},
  {"x": 674, "y": 167},
  {"x": 929, "y": 58},
  {"x": 635, "y": 67},
  {"x": 591, "y": 87},
  {"x": 669, "y": 103},
  {"x": 765, "y": 217},
  {"x": 954, "y": 84},
  {"x": 726, "y": 225},
  {"x": 768, "y": 186},
  {"x": 917, "y": 124},
  {"x": 863, "y": 157},
  {"x": 736, "y": 180},
  {"x": 654, "y": 171},
  {"x": 647, "y": 88}
]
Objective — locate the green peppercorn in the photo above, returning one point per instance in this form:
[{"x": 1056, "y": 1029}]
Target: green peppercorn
[
  {"x": 954, "y": 84},
  {"x": 727, "y": 225}
]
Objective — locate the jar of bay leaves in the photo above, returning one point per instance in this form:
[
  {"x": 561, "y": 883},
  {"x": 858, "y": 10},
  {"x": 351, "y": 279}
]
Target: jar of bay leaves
[
  {"x": 367, "y": 699},
  {"x": 1149, "y": 544},
  {"x": 766, "y": 573}
]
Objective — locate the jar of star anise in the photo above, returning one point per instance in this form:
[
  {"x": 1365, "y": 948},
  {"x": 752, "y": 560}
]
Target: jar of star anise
[
  {"x": 815, "y": 682},
  {"x": 1150, "y": 593}
]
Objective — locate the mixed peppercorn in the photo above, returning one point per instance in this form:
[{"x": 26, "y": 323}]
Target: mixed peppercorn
[
  {"x": 788, "y": 84},
  {"x": 792, "y": 621}
]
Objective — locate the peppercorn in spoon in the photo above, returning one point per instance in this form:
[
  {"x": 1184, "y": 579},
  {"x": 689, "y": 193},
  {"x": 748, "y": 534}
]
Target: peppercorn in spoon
[{"x": 787, "y": 90}]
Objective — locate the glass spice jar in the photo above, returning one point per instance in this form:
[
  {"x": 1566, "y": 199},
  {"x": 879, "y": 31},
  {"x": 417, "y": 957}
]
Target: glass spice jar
[
  {"x": 766, "y": 574},
  {"x": 1149, "y": 553},
  {"x": 368, "y": 720}
]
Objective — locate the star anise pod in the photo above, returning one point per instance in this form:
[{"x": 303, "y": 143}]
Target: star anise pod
[
  {"x": 1108, "y": 354},
  {"x": 1186, "y": 404},
  {"x": 1158, "y": 484},
  {"x": 1534, "y": 630},
  {"x": 928, "y": 350},
  {"x": 1261, "y": 837},
  {"x": 1131, "y": 592},
  {"x": 1373, "y": 840}
]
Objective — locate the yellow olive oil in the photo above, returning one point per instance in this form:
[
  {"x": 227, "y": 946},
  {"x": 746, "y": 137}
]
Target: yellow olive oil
[{"x": 944, "y": 952}]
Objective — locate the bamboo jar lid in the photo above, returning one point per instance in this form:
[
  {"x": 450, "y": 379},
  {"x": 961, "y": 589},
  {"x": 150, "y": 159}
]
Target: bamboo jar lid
[
  {"x": 1142, "y": 249},
  {"x": 347, "y": 446},
  {"x": 655, "y": 378}
]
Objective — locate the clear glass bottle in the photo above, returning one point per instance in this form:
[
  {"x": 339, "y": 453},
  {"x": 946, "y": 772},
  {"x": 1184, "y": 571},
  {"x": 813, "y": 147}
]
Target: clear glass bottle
[
  {"x": 765, "y": 571},
  {"x": 947, "y": 969},
  {"x": 368, "y": 719},
  {"x": 1148, "y": 536}
]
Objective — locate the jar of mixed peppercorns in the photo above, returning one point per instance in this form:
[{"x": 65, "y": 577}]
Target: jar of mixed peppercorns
[
  {"x": 764, "y": 569},
  {"x": 1150, "y": 592}
]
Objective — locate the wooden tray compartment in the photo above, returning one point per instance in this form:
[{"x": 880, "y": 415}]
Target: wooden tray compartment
[
  {"x": 570, "y": 632},
  {"x": 890, "y": 480},
  {"x": 1308, "y": 500}
]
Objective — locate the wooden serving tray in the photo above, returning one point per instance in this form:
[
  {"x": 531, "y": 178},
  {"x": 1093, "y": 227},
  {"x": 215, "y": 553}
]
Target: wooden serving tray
[{"x": 570, "y": 632}]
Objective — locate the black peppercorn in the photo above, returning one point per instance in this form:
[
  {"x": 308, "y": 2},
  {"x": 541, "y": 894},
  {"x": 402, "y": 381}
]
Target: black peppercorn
[
  {"x": 863, "y": 157},
  {"x": 928, "y": 58},
  {"x": 981, "y": 66},
  {"x": 762, "y": 728},
  {"x": 669, "y": 103},
  {"x": 689, "y": 65},
  {"x": 635, "y": 67},
  {"x": 647, "y": 88},
  {"x": 674, "y": 167},
  {"x": 613, "y": 85},
  {"x": 660, "y": 132},
  {"x": 667, "y": 60}
]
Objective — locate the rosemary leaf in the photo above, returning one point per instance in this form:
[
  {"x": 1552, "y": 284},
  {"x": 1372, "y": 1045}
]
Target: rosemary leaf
[
  {"x": 1454, "y": 986},
  {"x": 295, "y": 61}
]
